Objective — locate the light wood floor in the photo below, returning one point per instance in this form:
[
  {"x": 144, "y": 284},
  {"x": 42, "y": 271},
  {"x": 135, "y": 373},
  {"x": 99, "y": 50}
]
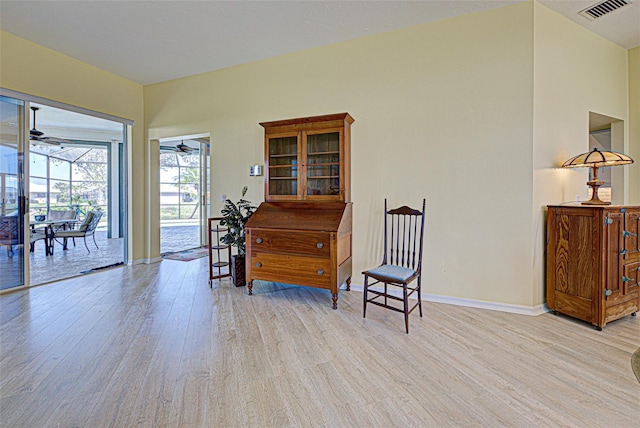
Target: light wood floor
[{"x": 153, "y": 346}]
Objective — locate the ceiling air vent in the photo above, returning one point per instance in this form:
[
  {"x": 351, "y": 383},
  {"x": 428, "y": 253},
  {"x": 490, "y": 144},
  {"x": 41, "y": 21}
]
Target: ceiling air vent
[{"x": 602, "y": 8}]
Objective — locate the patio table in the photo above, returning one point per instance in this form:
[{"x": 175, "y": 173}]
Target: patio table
[{"x": 48, "y": 226}]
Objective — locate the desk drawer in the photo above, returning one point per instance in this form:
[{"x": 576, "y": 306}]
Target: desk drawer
[
  {"x": 305, "y": 243},
  {"x": 291, "y": 269}
]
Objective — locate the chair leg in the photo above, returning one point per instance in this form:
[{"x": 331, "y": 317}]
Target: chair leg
[
  {"x": 385, "y": 294},
  {"x": 406, "y": 307},
  {"x": 420, "y": 295},
  {"x": 364, "y": 302},
  {"x": 94, "y": 241},
  {"x": 85, "y": 244}
]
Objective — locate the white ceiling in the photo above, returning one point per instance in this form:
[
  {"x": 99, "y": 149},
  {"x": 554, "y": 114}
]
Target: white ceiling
[{"x": 153, "y": 41}]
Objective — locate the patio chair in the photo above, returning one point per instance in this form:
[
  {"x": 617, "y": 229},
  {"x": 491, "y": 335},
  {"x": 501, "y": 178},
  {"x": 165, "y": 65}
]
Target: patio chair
[
  {"x": 63, "y": 215},
  {"x": 9, "y": 232},
  {"x": 87, "y": 228},
  {"x": 36, "y": 235}
]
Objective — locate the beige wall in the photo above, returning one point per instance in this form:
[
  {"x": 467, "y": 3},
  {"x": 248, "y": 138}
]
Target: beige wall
[
  {"x": 29, "y": 68},
  {"x": 442, "y": 111},
  {"x": 634, "y": 125},
  {"x": 576, "y": 71},
  {"x": 474, "y": 113}
]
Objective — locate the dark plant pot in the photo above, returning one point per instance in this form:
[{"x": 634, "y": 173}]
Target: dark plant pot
[{"x": 238, "y": 270}]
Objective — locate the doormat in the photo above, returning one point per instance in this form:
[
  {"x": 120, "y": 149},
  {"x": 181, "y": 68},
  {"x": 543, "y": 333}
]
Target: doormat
[{"x": 187, "y": 255}]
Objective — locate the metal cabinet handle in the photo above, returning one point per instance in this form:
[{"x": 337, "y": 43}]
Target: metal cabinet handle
[
  {"x": 259, "y": 240},
  {"x": 320, "y": 271},
  {"x": 258, "y": 264},
  {"x": 319, "y": 245}
]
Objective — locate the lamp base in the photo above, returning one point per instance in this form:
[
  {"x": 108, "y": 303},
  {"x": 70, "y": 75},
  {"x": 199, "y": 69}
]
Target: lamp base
[{"x": 595, "y": 200}]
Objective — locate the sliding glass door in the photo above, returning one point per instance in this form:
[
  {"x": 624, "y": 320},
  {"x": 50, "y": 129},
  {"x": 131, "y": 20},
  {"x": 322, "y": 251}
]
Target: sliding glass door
[
  {"x": 184, "y": 193},
  {"x": 12, "y": 193}
]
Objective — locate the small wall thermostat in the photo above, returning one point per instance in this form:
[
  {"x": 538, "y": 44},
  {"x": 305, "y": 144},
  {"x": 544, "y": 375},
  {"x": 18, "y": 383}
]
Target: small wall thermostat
[{"x": 255, "y": 170}]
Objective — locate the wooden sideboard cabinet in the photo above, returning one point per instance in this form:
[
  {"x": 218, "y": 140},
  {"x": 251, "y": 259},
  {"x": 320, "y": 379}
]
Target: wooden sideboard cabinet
[
  {"x": 301, "y": 234},
  {"x": 593, "y": 262}
]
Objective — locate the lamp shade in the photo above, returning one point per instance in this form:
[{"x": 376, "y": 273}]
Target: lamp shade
[
  {"x": 597, "y": 158},
  {"x": 594, "y": 160}
]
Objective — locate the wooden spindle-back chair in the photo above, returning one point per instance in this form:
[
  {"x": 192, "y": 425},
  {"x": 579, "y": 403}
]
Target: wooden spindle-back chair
[{"x": 401, "y": 262}]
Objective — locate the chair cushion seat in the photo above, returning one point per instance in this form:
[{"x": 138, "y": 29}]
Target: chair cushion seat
[
  {"x": 36, "y": 236},
  {"x": 70, "y": 234},
  {"x": 393, "y": 272}
]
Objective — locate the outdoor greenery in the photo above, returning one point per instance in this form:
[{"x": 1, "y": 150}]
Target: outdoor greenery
[{"x": 181, "y": 172}]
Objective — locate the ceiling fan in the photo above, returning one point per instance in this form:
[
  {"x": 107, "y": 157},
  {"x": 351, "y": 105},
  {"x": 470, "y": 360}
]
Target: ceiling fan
[
  {"x": 181, "y": 148},
  {"x": 38, "y": 136}
]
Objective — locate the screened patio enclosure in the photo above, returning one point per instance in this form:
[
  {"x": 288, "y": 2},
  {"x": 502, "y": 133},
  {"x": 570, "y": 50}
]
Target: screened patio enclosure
[{"x": 69, "y": 177}]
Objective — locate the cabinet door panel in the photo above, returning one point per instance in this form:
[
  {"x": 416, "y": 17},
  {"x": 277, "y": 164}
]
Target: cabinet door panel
[
  {"x": 614, "y": 243},
  {"x": 574, "y": 255},
  {"x": 282, "y": 159},
  {"x": 631, "y": 277},
  {"x": 631, "y": 239},
  {"x": 323, "y": 154}
]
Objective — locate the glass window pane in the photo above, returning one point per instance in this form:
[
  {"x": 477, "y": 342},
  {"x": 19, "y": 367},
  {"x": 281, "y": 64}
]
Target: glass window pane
[
  {"x": 189, "y": 175},
  {"x": 60, "y": 193},
  {"x": 88, "y": 171},
  {"x": 169, "y": 194},
  {"x": 59, "y": 169},
  {"x": 168, "y": 159},
  {"x": 38, "y": 194},
  {"x": 38, "y": 165},
  {"x": 189, "y": 160},
  {"x": 169, "y": 175}
]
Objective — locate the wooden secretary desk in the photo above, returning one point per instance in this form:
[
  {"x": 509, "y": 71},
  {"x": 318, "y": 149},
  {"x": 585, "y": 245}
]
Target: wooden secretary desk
[{"x": 301, "y": 234}]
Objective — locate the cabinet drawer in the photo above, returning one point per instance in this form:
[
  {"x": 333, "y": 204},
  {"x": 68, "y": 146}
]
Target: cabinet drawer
[
  {"x": 291, "y": 269},
  {"x": 305, "y": 243},
  {"x": 631, "y": 277}
]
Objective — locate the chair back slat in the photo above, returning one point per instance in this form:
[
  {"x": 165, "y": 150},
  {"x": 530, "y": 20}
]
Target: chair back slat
[
  {"x": 404, "y": 233},
  {"x": 93, "y": 224}
]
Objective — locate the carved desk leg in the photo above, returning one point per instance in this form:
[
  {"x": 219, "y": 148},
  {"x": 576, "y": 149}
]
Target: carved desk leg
[
  {"x": 349, "y": 284},
  {"x": 334, "y": 298},
  {"x": 250, "y": 287}
]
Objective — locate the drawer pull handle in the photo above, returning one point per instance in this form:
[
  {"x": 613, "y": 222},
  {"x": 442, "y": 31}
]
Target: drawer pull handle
[
  {"x": 319, "y": 245},
  {"x": 259, "y": 240},
  {"x": 320, "y": 271},
  {"x": 259, "y": 264}
]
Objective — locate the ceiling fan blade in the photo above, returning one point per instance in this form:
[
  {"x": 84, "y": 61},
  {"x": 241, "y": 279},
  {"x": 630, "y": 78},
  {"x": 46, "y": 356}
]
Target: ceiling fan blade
[
  {"x": 45, "y": 140},
  {"x": 55, "y": 140},
  {"x": 36, "y": 135},
  {"x": 169, "y": 148}
]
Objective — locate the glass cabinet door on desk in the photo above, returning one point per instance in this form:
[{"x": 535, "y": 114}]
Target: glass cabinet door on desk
[
  {"x": 322, "y": 166},
  {"x": 283, "y": 166}
]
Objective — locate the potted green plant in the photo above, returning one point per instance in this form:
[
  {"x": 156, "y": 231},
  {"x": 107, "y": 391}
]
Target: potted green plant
[{"x": 234, "y": 217}]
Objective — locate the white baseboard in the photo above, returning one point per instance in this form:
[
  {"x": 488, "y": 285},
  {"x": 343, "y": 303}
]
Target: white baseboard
[{"x": 471, "y": 303}]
